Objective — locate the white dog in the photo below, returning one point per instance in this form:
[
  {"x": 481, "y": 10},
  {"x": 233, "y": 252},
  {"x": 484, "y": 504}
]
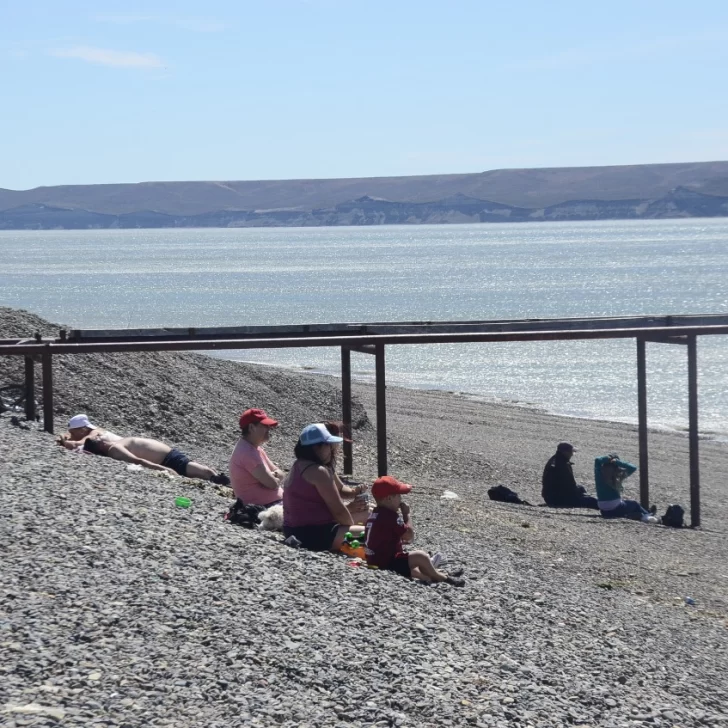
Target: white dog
[{"x": 271, "y": 519}]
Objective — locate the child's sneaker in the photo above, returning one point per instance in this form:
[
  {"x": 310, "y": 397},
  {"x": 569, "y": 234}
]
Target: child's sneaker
[
  {"x": 438, "y": 559},
  {"x": 220, "y": 479}
]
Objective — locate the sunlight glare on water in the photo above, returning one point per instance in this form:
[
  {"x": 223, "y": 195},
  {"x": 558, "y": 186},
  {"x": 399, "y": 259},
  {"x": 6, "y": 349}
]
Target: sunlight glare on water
[{"x": 228, "y": 277}]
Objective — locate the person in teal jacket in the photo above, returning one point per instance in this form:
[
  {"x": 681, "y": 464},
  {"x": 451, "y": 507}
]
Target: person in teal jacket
[{"x": 609, "y": 474}]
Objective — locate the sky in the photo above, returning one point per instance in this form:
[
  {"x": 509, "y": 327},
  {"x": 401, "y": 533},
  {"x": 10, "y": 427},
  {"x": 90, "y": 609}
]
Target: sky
[{"x": 100, "y": 92}]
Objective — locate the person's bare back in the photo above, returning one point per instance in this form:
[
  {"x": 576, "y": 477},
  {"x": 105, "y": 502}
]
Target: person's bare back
[
  {"x": 140, "y": 447},
  {"x": 142, "y": 451},
  {"x": 154, "y": 455}
]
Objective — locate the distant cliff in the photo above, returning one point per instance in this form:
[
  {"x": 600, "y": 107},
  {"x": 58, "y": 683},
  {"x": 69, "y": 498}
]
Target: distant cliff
[{"x": 517, "y": 196}]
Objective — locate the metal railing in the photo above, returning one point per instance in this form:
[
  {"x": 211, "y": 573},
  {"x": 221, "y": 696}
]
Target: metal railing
[{"x": 372, "y": 338}]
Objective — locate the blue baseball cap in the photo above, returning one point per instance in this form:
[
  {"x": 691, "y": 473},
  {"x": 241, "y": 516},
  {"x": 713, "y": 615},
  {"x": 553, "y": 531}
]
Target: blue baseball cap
[{"x": 317, "y": 435}]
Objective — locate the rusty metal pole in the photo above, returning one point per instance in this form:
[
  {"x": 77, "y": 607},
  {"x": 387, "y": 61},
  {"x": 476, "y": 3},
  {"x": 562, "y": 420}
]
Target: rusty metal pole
[
  {"x": 47, "y": 391},
  {"x": 381, "y": 396},
  {"x": 346, "y": 408},
  {"x": 693, "y": 430},
  {"x": 642, "y": 422},
  {"x": 29, "y": 388}
]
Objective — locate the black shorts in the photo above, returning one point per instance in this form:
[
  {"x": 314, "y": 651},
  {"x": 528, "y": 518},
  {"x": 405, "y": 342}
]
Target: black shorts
[
  {"x": 177, "y": 461},
  {"x": 400, "y": 565},
  {"x": 314, "y": 538}
]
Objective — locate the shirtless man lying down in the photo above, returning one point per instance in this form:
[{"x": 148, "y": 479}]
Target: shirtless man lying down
[{"x": 154, "y": 455}]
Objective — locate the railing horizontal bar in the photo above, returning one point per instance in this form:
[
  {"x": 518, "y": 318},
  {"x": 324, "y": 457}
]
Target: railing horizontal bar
[
  {"x": 391, "y": 327},
  {"x": 364, "y": 340},
  {"x": 17, "y": 342},
  {"x": 191, "y": 333},
  {"x": 551, "y": 324},
  {"x": 667, "y": 340}
]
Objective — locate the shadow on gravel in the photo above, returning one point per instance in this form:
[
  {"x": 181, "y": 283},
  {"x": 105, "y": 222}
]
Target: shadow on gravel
[
  {"x": 566, "y": 513},
  {"x": 541, "y": 510}
]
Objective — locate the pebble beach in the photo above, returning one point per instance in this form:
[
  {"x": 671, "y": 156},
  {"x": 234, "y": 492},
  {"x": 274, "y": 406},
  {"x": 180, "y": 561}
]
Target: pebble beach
[{"x": 120, "y": 609}]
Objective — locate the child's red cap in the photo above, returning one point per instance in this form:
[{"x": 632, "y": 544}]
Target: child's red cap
[{"x": 387, "y": 485}]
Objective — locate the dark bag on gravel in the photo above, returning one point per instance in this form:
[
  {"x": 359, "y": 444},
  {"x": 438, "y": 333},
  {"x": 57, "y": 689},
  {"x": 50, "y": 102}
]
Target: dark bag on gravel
[
  {"x": 505, "y": 495},
  {"x": 244, "y": 515},
  {"x": 674, "y": 516}
]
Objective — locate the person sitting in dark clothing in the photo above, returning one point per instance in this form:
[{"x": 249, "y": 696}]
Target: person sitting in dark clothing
[{"x": 559, "y": 486}]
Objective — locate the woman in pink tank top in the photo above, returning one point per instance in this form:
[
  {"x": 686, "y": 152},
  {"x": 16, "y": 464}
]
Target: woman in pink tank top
[{"x": 313, "y": 511}]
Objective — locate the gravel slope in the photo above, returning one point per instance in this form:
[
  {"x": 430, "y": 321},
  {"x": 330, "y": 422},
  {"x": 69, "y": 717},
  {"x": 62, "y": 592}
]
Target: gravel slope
[{"x": 119, "y": 609}]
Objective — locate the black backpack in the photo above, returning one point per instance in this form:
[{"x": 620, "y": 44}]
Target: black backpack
[
  {"x": 244, "y": 515},
  {"x": 505, "y": 495},
  {"x": 674, "y": 516}
]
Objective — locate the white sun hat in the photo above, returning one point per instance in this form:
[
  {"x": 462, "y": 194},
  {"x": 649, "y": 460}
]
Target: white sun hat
[{"x": 80, "y": 421}]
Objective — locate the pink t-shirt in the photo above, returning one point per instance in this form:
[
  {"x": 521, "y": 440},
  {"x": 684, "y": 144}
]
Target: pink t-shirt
[{"x": 244, "y": 460}]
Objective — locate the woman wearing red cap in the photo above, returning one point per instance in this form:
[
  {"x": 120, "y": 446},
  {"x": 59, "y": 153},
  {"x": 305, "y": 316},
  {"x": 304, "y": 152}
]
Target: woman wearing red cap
[{"x": 255, "y": 480}]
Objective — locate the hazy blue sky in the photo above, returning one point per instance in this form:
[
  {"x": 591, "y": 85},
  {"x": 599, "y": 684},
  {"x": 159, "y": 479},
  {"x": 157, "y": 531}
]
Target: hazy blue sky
[{"x": 229, "y": 89}]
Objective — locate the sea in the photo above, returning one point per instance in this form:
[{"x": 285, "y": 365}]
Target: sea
[{"x": 264, "y": 276}]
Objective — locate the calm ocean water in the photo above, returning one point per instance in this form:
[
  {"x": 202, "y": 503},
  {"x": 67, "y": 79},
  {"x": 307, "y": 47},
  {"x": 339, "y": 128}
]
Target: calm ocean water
[{"x": 206, "y": 277}]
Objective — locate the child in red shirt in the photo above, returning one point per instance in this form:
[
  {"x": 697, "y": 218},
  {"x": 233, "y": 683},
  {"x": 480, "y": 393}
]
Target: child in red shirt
[{"x": 386, "y": 530}]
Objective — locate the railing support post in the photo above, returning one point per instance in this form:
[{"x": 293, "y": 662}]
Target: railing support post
[
  {"x": 381, "y": 396},
  {"x": 29, "y": 388},
  {"x": 47, "y": 358},
  {"x": 346, "y": 409},
  {"x": 693, "y": 431},
  {"x": 642, "y": 422}
]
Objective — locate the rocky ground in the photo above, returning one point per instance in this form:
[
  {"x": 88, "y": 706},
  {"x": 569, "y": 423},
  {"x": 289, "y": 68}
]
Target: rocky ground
[{"x": 119, "y": 609}]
